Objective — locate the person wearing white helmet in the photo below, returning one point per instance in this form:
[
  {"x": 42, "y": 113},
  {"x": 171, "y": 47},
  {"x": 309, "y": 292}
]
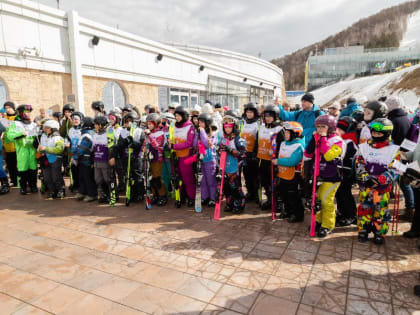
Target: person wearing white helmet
[{"x": 52, "y": 146}]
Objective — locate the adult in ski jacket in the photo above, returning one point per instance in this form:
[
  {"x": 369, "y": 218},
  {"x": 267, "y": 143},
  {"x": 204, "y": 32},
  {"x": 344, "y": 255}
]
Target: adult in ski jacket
[{"x": 351, "y": 107}]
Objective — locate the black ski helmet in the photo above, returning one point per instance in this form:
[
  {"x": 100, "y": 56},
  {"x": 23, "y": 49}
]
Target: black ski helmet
[
  {"x": 252, "y": 107},
  {"x": 98, "y": 105},
  {"x": 154, "y": 118},
  {"x": 128, "y": 116},
  {"x": 231, "y": 113},
  {"x": 347, "y": 124},
  {"x": 79, "y": 114},
  {"x": 127, "y": 108},
  {"x": 382, "y": 125},
  {"x": 358, "y": 115},
  {"x": 180, "y": 110},
  {"x": 379, "y": 109},
  {"x": 88, "y": 123},
  {"x": 272, "y": 110},
  {"x": 22, "y": 108},
  {"x": 208, "y": 120},
  {"x": 100, "y": 120},
  {"x": 68, "y": 107},
  {"x": 58, "y": 115}
]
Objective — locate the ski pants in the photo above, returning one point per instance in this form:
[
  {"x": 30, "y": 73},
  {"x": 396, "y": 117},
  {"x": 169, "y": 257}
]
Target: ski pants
[
  {"x": 235, "y": 198},
  {"x": 103, "y": 177},
  {"x": 3, "y": 174},
  {"x": 166, "y": 174},
  {"x": 75, "y": 174},
  {"x": 27, "y": 178},
  {"x": 326, "y": 194},
  {"x": 158, "y": 188},
  {"x": 87, "y": 184},
  {"x": 346, "y": 205},
  {"x": 265, "y": 176},
  {"x": 289, "y": 194},
  {"x": 250, "y": 170},
  {"x": 11, "y": 164},
  {"x": 53, "y": 176},
  {"x": 408, "y": 194},
  {"x": 187, "y": 176},
  {"x": 208, "y": 181},
  {"x": 373, "y": 214},
  {"x": 415, "y": 225}
]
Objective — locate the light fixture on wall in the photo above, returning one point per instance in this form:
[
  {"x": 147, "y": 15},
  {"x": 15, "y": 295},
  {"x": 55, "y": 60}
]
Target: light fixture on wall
[
  {"x": 29, "y": 51},
  {"x": 261, "y": 84},
  {"x": 95, "y": 40},
  {"x": 201, "y": 68},
  {"x": 245, "y": 79},
  {"x": 159, "y": 57},
  {"x": 275, "y": 87}
]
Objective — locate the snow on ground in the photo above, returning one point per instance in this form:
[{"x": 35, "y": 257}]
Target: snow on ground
[{"x": 411, "y": 38}]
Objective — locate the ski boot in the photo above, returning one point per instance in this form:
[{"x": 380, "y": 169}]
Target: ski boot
[
  {"x": 79, "y": 196},
  {"x": 34, "y": 189},
  {"x": 266, "y": 205},
  {"x": 178, "y": 204},
  {"x": 104, "y": 199},
  {"x": 363, "y": 236},
  {"x": 378, "y": 239},
  {"x": 190, "y": 202},
  {"x": 23, "y": 191},
  {"x": 60, "y": 195},
  {"x": 52, "y": 196},
  {"x": 323, "y": 232},
  {"x": 5, "y": 188},
  {"x": 211, "y": 204},
  {"x": 89, "y": 199},
  {"x": 162, "y": 201}
]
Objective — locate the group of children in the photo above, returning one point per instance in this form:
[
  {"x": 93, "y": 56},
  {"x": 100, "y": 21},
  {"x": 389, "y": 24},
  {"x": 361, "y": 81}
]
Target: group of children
[{"x": 163, "y": 154}]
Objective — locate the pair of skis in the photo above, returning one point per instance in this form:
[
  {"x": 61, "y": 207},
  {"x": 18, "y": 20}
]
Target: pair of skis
[
  {"x": 314, "y": 180},
  {"x": 148, "y": 180},
  {"x": 129, "y": 178},
  {"x": 273, "y": 177},
  {"x": 222, "y": 168},
  {"x": 200, "y": 156},
  {"x": 176, "y": 181}
]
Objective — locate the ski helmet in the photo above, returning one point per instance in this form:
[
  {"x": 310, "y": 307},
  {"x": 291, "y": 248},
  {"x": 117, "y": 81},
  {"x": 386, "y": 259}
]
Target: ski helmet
[
  {"x": 22, "y": 112},
  {"x": 9, "y": 104},
  {"x": 98, "y": 105},
  {"x": 88, "y": 123},
  {"x": 78, "y": 114},
  {"x": 168, "y": 116},
  {"x": 154, "y": 118},
  {"x": 128, "y": 116},
  {"x": 228, "y": 119},
  {"x": 196, "y": 110},
  {"x": 326, "y": 120},
  {"x": 116, "y": 115},
  {"x": 102, "y": 121},
  {"x": 68, "y": 107},
  {"x": 294, "y": 128},
  {"x": 358, "y": 115},
  {"x": 231, "y": 113},
  {"x": 382, "y": 125},
  {"x": 180, "y": 110},
  {"x": 51, "y": 123},
  {"x": 127, "y": 108},
  {"x": 208, "y": 120},
  {"x": 251, "y": 107},
  {"x": 379, "y": 109},
  {"x": 57, "y": 115},
  {"x": 347, "y": 124},
  {"x": 272, "y": 110}
]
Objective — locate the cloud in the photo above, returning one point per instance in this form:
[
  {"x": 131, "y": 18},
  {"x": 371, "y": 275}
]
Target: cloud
[{"x": 271, "y": 27}]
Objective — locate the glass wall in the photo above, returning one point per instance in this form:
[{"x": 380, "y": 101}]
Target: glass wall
[
  {"x": 228, "y": 93},
  {"x": 113, "y": 96}
]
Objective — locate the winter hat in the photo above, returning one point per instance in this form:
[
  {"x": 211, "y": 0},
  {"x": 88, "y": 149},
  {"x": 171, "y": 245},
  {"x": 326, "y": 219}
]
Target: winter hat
[
  {"x": 308, "y": 97},
  {"x": 217, "y": 106},
  {"x": 394, "y": 102},
  {"x": 335, "y": 105},
  {"x": 207, "y": 108},
  {"x": 9, "y": 104},
  {"x": 351, "y": 100}
]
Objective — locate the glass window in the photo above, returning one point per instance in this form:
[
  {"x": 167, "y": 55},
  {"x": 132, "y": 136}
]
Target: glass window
[
  {"x": 174, "y": 99},
  {"x": 194, "y": 101},
  {"x": 184, "y": 100},
  {"x": 113, "y": 95},
  {"x": 3, "y": 93}
]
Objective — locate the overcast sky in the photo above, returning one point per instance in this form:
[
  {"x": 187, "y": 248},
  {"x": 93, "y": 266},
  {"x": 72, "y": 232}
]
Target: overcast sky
[{"x": 270, "y": 27}]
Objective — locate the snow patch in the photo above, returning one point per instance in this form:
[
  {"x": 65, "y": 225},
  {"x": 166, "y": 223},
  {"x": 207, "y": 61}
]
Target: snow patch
[{"x": 411, "y": 38}]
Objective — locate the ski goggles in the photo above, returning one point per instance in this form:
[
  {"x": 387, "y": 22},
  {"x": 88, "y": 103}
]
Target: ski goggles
[
  {"x": 376, "y": 126},
  {"x": 228, "y": 125}
]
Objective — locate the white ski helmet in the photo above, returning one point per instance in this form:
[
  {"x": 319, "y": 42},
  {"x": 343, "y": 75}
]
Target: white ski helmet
[{"x": 53, "y": 124}]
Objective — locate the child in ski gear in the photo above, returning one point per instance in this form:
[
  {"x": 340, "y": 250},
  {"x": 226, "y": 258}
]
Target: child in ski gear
[
  {"x": 270, "y": 126},
  {"x": 23, "y": 132},
  {"x": 375, "y": 176},
  {"x": 98, "y": 108},
  {"x": 104, "y": 157},
  {"x": 289, "y": 158},
  {"x": 250, "y": 135},
  {"x": 331, "y": 148},
  {"x": 168, "y": 123},
  {"x": 210, "y": 141},
  {"x": 9, "y": 147},
  {"x": 53, "y": 146},
  {"x": 114, "y": 119},
  {"x": 235, "y": 147},
  {"x": 184, "y": 135},
  {"x": 346, "y": 205},
  {"x": 65, "y": 125},
  {"x": 372, "y": 111},
  {"x": 82, "y": 157},
  {"x": 156, "y": 143},
  {"x": 71, "y": 142}
]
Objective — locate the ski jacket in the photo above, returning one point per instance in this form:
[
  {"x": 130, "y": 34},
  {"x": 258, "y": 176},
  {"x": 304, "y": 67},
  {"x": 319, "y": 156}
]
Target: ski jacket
[
  {"x": 65, "y": 126},
  {"x": 211, "y": 151},
  {"x": 104, "y": 147},
  {"x": 235, "y": 148},
  {"x": 83, "y": 153},
  {"x": 184, "y": 139},
  {"x": 401, "y": 122},
  {"x": 331, "y": 149},
  {"x": 54, "y": 146},
  {"x": 350, "y": 109},
  {"x": 250, "y": 135},
  {"x": 305, "y": 117},
  {"x": 289, "y": 157},
  {"x": 9, "y": 146},
  {"x": 73, "y": 137},
  {"x": 365, "y": 134},
  {"x": 156, "y": 140},
  {"x": 373, "y": 164},
  {"x": 350, "y": 141},
  {"x": 24, "y": 144},
  {"x": 264, "y": 140},
  {"x": 136, "y": 143}
]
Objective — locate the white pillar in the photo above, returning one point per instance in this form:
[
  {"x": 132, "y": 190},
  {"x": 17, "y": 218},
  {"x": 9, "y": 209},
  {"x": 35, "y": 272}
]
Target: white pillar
[{"x": 75, "y": 59}]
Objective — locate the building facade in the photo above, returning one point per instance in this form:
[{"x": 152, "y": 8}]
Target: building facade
[{"x": 49, "y": 57}]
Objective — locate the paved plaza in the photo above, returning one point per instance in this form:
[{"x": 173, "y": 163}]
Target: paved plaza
[{"x": 67, "y": 257}]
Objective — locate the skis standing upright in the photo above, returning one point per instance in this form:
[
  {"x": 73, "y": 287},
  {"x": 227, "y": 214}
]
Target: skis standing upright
[
  {"x": 273, "y": 177},
  {"x": 200, "y": 156},
  {"x": 147, "y": 175},
  {"x": 175, "y": 175},
  {"x": 129, "y": 179},
  {"x": 314, "y": 180},
  {"x": 222, "y": 167}
]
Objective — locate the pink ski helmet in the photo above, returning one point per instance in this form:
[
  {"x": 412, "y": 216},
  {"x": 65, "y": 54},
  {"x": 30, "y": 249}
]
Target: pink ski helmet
[{"x": 327, "y": 120}]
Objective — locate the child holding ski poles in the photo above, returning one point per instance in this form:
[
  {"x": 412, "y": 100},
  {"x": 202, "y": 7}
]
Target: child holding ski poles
[
  {"x": 330, "y": 150},
  {"x": 289, "y": 158},
  {"x": 210, "y": 142},
  {"x": 156, "y": 142},
  {"x": 375, "y": 176},
  {"x": 71, "y": 142},
  {"x": 270, "y": 126},
  {"x": 184, "y": 135},
  {"x": 235, "y": 148},
  {"x": 82, "y": 157}
]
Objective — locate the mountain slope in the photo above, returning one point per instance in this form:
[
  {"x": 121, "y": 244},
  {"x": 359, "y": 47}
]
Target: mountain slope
[{"x": 384, "y": 29}]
